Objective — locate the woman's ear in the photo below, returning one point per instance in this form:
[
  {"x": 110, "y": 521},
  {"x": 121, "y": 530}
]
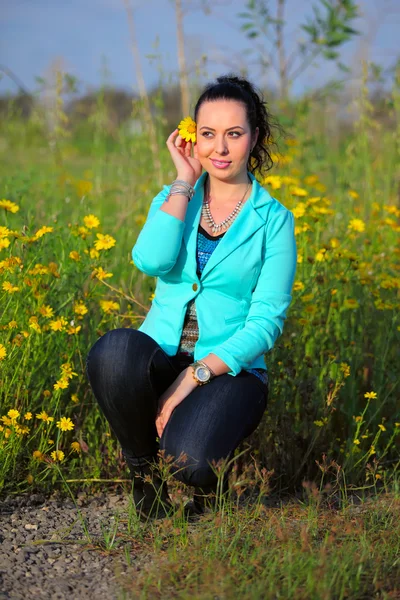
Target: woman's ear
[{"x": 255, "y": 138}]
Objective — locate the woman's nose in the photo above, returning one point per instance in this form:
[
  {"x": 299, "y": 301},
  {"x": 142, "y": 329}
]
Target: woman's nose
[{"x": 221, "y": 145}]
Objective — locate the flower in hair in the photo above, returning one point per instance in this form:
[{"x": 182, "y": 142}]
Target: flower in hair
[{"x": 187, "y": 129}]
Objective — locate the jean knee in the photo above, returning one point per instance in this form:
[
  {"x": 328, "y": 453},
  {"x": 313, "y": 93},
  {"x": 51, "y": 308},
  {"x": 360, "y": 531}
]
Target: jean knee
[
  {"x": 192, "y": 471},
  {"x": 109, "y": 348}
]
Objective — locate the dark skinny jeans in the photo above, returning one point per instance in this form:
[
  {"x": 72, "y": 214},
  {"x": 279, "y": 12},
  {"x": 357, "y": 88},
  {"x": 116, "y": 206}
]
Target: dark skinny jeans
[{"x": 128, "y": 371}]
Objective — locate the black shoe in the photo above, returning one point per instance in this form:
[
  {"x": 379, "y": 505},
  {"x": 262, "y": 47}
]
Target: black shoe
[{"x": 150, "y": 496}]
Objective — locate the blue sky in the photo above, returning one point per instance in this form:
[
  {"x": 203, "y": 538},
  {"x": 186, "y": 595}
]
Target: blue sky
[{"x": 83, "y": 33}]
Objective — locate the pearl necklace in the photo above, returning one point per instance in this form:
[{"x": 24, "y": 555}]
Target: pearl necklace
[{"x": 226, "y": 222}]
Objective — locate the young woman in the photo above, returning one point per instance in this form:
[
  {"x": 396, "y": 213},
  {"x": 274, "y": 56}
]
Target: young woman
[{"x": 224, "y": 255}]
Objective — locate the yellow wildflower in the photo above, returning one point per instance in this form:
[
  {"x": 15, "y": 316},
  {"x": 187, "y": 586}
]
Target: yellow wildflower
[
  {"x": 6, "y": 420},
  {"x": 65, "y": 424},
  {"x": 37, "y": 454},
  {"x": 91, "y": 221},
  {"x": 13, "y": 414},
  {"x": 57, "y": 455},
  {"x": 66, "y": 369},
  {"x": 3, "y": 352},
  {"x": 104, "y": 241},
  {"x": 46, "y": 311},
  {"x": 356, "y": 442},
  {"x": 74, "y": 255},
  {"x": 80, "y": 308},
  {"x": 44, "y": 417},
  {"x": 353, "y": 194},
  {"x": 40, "y": 232},
  {"x": 76, "y": 447},
  {"x": 28, "y": 416},
  {"x": 9, "y": 206},
  {"x": 61, "y": 384},
  {"x": 298, "y": 191},
  {"x": 350, "y": 303},
  {"x": 93, "y": 253},
  {"x": 4, "y": 231},
  {"x": 108, "y": 305},
  {"x": 58, "y": 324},
  {"x": 73, "y": 330},
  {"x": 100, "y": 273},
  {"x": 345, "y": 368},
  {"x": 33, "y": 324},
  {"x": 372, "y": 449},
  {"x": 356, "y": 225},
  {"x": 84, "y": 187},
  {"x": 299, "y": 210},
  {"x": 298, "y": 286},
  {"x": 187, "y": 129},
  {"x": 74, "y": 398},
  {"x": 382, "y": 427},
  {"x": 9, "y": 287},
  {"x": 370, "y": 395},
  {"x": 4, "y": 243},
  {"x": 12, "y": 324},
  {"x": 46, "y": 393}
]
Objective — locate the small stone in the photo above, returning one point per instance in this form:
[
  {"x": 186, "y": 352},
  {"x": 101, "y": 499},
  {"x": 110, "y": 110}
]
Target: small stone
[{"x": 30, "y": 526}]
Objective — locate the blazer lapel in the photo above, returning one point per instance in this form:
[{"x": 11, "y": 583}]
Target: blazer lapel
[{"x": 247, "y": 222}]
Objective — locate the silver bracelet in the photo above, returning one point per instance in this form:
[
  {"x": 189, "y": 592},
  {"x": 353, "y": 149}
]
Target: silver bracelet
[{"x": 179, "y": 186}]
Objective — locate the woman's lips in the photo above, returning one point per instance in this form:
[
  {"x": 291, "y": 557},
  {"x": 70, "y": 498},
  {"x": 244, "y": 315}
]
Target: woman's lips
[{"x": 220, "y": 164}]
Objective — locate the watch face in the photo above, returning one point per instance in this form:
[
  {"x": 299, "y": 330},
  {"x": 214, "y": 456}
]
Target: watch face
[{"x": 202, "y": 373}]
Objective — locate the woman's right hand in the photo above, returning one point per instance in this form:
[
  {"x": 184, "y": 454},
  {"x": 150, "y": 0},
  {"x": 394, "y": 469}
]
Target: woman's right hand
[{"x": 188, "y": 167}]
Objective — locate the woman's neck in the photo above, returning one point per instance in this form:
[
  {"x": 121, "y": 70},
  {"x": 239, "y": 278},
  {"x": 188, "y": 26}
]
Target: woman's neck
[{"x": 224, "y": 193}]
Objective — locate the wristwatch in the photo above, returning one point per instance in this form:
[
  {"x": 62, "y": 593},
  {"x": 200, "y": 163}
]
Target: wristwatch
[{"x": 201, "y": 372}]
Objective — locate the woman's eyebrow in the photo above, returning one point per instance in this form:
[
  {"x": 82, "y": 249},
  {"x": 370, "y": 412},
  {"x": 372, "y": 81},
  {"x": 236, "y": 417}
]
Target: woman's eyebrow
[{"x": 229, "y": 128}]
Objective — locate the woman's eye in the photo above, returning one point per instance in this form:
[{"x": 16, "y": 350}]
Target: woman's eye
[{"x": 235, "y": 133}]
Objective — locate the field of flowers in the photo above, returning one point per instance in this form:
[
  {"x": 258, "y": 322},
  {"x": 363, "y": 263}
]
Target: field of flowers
[{"x": 68, "y": 221}]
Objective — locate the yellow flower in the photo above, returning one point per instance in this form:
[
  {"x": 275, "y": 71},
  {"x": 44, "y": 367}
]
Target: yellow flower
[
  {"x": 29, "y": 478},
  {"x": 4, "y": 231},
  {"x": 61, "y": 384},
  {"x": 74, "y": 398},
  {"x": 28, "y": 416},
  {"x": 93, "y": 253},
  {"x": 65, "y": 424},
  {"x": 3, "y": 352},
  {"x": 40, "y": 232},
  {"x": 356, "y": 225},
  {"x": 74, "y": 330},
  {"x": 4, "y": 243},
  {"x": 356, "y": 442},
  {"x": 382, "y": 427},
  {"x": 100, "y": 273},
  {"x": 13, "y": 414},
  {"x": 58, "y": 324},
  {"x": 66, "y": 369},
  {"x": 353, "y": 194},
  {"x": 80, "y": 308},
  {"x": 37, "y": 454},
  {"x": 33, "y": 324},
  {"x": 46, "y": 311},
  {"x": 297, "y": 191},
  {"x": 9, "y": 287},
  {"x": 84, "y": 187},
  {"x": 74, "y": 255},
  {"x": 12, "y": 324},
  {"x": 45, "y": 417},
  {"x": 350, "y": 303},
  {"x": 108, "y": 305},
  {"x": 370, "y": 395},
  {"x": 76, "y": 447},
  {"x": 104, "y": 241},
  {"x": 91, "y": 221},
  {"x": 9, "y": 206},
  {"x": 57, "y": 455},
  {"x": 187, "y": 129}
]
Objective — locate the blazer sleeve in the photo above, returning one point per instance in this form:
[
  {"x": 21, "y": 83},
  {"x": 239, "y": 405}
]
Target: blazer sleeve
[
  {"x": 157, "y": 247},
  {"x": 270, "y": 300}
]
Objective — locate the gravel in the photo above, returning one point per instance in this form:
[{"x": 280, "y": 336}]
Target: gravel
[{"x": 45, "y": 552}]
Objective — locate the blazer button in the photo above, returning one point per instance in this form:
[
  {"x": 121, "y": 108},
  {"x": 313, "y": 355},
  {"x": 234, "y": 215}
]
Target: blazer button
[{"x": 194, "y": 286}]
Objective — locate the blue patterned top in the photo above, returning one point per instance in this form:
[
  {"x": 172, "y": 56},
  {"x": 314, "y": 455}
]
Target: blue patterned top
[{"x": 206, "y": 245}]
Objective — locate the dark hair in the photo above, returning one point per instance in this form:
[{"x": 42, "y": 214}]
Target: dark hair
[{"x": 232, "y": 87}]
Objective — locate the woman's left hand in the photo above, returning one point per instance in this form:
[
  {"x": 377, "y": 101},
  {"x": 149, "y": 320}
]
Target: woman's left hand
[{"x": 177, "y": 391}]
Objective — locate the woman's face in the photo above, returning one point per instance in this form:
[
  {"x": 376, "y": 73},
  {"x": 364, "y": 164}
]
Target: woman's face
[{"x": 224, "y": 139}]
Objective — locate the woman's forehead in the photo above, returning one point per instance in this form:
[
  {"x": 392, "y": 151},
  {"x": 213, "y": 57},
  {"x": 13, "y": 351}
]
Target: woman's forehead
[{"x": 221, "y": 111}]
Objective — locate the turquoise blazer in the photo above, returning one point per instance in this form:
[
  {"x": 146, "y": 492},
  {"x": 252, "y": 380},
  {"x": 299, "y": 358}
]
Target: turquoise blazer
[{"x": 245, "y": 288}]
